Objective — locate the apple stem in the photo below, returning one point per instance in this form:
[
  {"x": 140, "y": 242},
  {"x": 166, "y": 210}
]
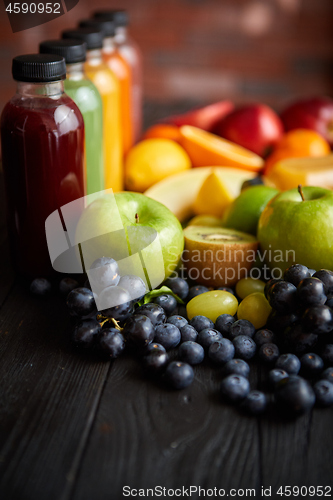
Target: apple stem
[
  {"x": 300, "y": 190},
  {"x": 137, "y": 218}
]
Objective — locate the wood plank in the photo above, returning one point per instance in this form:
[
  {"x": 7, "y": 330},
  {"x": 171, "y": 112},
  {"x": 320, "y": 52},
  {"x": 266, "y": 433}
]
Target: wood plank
[
  {"x": 49, "y": 395},
  {"x": 145, "y": 435}
]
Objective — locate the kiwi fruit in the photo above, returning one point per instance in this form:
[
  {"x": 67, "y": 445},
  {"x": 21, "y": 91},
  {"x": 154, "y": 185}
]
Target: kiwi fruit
[{"x": 217, "y": 256}]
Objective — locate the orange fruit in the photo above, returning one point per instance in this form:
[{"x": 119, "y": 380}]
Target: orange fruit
[
  {"x": 205, "y": 149},
  {"x": 298, "y": 143},
  {"x": 163, "y": 131},
  {"x": 307, "y": 142}
]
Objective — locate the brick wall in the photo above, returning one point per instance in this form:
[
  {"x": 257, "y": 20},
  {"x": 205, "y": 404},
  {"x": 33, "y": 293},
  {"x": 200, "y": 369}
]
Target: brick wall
[{"x": 203, "y": 50}]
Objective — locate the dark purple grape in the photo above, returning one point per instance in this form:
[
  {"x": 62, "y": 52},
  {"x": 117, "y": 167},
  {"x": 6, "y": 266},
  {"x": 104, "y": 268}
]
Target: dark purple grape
[
  {"x": 326, "y": 277},
  {"x": 139, "y": 330},
  {"x": 154, "y": 312},
  {"x": 167, "y": 301},
  {"x": 179, "y": 286},
  {"x": 155, "y": 360},
  {"x": 134, "y": 285},
  {"x": 81, "y": 302},
  {"x": 318, "y": 319},
  {"x": 66, "y": 285},
  {"x": 311, "y": 292},
  {"x": 41, "y": 287},
  {"x": 283, "y": 297},
  {"x": 103, "y": 273},
  {"x": 296, "y": 273},
  {"x": 112, "y": 342},
  {"x": 86, "y": 333}
]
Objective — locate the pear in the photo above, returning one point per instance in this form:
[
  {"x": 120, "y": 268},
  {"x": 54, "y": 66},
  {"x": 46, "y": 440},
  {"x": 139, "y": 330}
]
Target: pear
[{"x": 217, "y": 256}]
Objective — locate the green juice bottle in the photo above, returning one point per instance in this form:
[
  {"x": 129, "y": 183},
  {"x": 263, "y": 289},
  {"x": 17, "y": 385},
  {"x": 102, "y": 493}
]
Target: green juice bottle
[{"x": 87, "y": 98}]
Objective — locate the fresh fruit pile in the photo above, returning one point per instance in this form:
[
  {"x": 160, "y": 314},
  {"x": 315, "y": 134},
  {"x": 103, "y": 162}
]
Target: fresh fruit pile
[
  {"x": 285, "y": 324},
  {"x": 287, "y": 150}
]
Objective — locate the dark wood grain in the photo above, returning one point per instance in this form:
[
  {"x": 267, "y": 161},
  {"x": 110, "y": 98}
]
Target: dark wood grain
[
  {"x": 49, "y": 396},
  {"x": 145, "y": 436}
]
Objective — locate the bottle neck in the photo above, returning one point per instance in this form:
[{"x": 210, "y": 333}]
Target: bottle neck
[
  {"x": 74, "y": 71},
  {"x": 121, "y": 34},
  {"x": 109, "y": 44},
  {"x": 45, "y": 89},
  {"x": 94, "y": 57}
]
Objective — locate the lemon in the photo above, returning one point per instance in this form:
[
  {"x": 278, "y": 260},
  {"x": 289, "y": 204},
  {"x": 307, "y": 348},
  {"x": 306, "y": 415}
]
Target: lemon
[
  {"x": 151, "y": 160},
  {"x": 213, "y": 197}
]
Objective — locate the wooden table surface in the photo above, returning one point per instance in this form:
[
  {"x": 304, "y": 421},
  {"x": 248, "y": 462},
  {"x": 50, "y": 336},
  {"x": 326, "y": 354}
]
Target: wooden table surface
[{"x": 73, "y": 427}]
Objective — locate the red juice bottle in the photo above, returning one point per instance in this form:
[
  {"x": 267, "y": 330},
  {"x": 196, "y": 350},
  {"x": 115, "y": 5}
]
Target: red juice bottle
[{"x": 42, "y": 139}]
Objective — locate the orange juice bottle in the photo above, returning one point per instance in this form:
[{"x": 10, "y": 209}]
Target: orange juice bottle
[
  {"x": 130, "y": 51},
  {"x": 120, "y": 68},
  {"x": 107, "y": 84}
]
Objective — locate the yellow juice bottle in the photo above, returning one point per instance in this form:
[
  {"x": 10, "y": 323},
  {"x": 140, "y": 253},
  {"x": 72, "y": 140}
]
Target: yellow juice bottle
[
  {"x": 120, "y": 68},
  {"x": 107, "y": 84}
]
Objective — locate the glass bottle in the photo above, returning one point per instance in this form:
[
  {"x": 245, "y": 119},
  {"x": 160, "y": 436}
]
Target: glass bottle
[
  {"x": 42, "y": 139},
  {"x": 131, "y": 52},
  {"x": 122, "y": 71},
  {"x": 106, "y": 82},
  {"x": 85, "y": 94}
]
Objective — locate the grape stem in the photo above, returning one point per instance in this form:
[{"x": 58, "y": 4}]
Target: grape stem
[
  {"x": 137, "y": 218},
  {"x": 104, "y": 319},
  {"x": 300, "y": 190}
]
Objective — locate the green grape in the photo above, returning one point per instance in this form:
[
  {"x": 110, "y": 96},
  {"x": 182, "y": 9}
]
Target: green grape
[
  {"x": 212, "y": 304},
  {"x": 246, "y": 286},
  {"x": 254, "y": 308}
]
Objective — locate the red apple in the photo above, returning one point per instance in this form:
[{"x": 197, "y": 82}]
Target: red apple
[
  {"x": 255, "y": 127},
  {"x": 315, "y": 113},
  {"x": 205, "y": 118}
]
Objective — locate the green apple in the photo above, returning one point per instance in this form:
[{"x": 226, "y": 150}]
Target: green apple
[
  {"x": 244, "y": 212},
  {"x": 205, "y": 220},
  {"x": 291, "y": 230},
  {"x": 140, "y": 233}
]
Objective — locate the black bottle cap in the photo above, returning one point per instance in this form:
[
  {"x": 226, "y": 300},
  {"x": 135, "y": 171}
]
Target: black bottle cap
[
  {"x": 107, "y": 27},
  {"x": 92, "y": 36},
  {"x": 39, "y": 68},
  {"x": 73, "y": 51},
  {"x": 119, "y": 17}
]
